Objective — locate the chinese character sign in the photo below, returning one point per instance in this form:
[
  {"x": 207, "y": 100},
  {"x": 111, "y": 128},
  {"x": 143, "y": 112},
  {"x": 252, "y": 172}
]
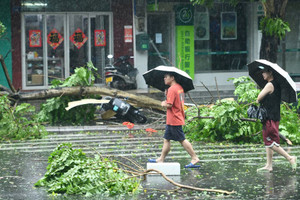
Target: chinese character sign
[
  {"x": 35, "y": 38},
  {"x": 54, "y": 38},
  {"x": 100, "y": 38},
  {"x": 78, "y": 38},
  {"x": 128, "y": 33},
  {"x": 185, "y": 39}
]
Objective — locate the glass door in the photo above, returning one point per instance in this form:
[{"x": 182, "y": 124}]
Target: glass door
[
  {"x": 34, "y": 53},
  {"x": 55, "y": 44},
  {"x": 78, "y": 40},
  {"x": 55, "y": 47},
  {"x": 159, "y": 26},
  {"x": 100, "y": 44}
]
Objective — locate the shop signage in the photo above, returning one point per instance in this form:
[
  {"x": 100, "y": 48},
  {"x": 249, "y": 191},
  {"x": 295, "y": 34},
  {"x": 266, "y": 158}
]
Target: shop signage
[
  {"x": 78, "y": 38},
  {"x": 54, "y": 38},
  {"x": 100, "y": 38},
  {"x": 184, "y": 15},
  {"x": 128, "y": 33},
  {"x": 185, "y": 38},
  {"x": 35, "y": 38}
]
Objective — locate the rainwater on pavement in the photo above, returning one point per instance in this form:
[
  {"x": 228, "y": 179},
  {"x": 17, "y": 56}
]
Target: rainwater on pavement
[{"x": 224, "y": 167}]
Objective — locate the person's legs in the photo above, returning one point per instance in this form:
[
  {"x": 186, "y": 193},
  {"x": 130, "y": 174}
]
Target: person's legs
[
  {"x": 268, "y": 167},
  {"x": 165, "y": 150},
  {"x": 189, "y": 148},
  {"x": 281, "y": 151}
]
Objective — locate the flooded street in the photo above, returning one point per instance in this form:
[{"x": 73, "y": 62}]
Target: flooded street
[{"x": 225, "y": 167}]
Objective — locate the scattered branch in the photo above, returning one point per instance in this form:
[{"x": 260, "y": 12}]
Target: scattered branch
[{"x": 7, "y": 74}]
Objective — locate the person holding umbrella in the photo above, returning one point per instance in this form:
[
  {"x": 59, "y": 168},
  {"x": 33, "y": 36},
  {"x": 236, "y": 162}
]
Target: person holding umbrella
[
  {"x": 270, "y": 98},
  {"x": 174, "y": 121}
]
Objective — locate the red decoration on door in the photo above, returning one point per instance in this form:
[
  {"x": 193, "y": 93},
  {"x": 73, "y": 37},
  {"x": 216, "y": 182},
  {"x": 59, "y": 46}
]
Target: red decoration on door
[
  {"x": 100, "y": 38},
  {"x": 78, "y": 38},
  {"x": 35, "y": 38},
  {"x": 54, "y": 38}
]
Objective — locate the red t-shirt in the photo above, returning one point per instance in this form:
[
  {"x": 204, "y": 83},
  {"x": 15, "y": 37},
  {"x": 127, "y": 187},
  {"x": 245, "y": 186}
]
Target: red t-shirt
[{"x": 175, "y": 114}]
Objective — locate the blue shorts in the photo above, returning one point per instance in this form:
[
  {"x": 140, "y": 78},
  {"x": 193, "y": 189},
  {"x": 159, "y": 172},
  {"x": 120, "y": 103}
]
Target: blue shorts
[{"x": 174, "y": 133}]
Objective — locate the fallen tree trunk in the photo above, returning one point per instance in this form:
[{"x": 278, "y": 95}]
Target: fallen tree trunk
[{"x": 138, "y": 100}]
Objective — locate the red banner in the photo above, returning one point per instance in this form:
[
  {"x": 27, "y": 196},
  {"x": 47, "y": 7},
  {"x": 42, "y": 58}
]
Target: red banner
[{"x": 128, "y": 33}]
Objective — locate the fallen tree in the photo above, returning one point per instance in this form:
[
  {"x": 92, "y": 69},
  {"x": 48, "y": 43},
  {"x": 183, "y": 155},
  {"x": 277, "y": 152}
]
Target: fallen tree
[{"x": 138, "y": 100}]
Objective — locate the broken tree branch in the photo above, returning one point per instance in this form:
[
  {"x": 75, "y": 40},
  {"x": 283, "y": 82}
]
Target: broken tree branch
[
  {"x": 187, "y": 186},
  {"x": 212, "y": 97},
  {"x": 7, "y": 74}
]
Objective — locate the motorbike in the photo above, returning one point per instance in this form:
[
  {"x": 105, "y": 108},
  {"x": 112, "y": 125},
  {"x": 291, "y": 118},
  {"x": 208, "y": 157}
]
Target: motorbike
[
  {"x": 121, "y": 74},
  {"x": 123, "y": 110}
]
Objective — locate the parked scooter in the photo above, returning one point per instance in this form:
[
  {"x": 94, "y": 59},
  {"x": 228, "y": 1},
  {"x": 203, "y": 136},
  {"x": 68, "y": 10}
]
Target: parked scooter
[
  {"x": 123, "y": 110},
  {"x": 121, "y": 74}
]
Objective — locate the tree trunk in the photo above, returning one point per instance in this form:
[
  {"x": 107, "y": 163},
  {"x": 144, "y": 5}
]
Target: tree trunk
[
  {"x": 269, "y": 48},
  {"x": 138, "y": 100},
  {"x": 269, "y": 44}
]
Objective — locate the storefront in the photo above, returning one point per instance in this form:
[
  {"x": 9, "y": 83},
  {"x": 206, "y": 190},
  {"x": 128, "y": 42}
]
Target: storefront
[
  {"x": 209, "y": 43},
  {"x": 54, "y": 44},
  {"x": 55, "y": 37},
  {"x": 206, "y": 43}
]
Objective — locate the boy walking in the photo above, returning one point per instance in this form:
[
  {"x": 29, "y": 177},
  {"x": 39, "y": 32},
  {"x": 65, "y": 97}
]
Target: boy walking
[{"x": 174, "y": 122}]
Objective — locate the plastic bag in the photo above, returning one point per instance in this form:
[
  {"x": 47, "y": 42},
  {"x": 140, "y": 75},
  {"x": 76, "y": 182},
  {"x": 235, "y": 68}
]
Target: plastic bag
[{"x": 257, "y": 112}]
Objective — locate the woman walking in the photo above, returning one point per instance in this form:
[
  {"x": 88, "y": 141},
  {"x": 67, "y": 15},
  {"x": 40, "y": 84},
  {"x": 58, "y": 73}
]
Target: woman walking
[{"x": 270, "y": 98}]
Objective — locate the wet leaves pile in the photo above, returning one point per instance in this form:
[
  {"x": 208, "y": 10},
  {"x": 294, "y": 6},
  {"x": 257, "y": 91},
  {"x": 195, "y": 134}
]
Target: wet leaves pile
[{"x": 70, "y": 171}]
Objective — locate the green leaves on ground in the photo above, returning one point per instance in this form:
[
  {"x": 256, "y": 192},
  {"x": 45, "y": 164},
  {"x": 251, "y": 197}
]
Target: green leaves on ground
[
  {"x": 226, "y": 124},
  {"x": 53, "y": 111},
  {"x": 18, "y": 122},
  {"x": 70, "y": 171}
]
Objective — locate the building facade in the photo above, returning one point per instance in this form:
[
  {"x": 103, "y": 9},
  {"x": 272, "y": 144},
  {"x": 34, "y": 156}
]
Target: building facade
[{"x": 50, "y": 38}]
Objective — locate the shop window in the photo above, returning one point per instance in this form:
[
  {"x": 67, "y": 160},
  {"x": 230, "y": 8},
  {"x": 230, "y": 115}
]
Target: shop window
[{"x": 220, "y": 38}]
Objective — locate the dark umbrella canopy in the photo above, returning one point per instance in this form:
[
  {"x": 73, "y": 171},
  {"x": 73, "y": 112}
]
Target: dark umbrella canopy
[
  {"x": 287, "y": 85},
  {"x": 155, "y": 78}
]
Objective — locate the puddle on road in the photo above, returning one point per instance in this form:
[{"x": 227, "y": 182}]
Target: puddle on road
[{"x": 19, "y": 171}]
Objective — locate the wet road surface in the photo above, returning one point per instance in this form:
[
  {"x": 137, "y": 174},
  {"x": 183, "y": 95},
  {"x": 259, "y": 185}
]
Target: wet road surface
[{"x": 226, "y": 167}]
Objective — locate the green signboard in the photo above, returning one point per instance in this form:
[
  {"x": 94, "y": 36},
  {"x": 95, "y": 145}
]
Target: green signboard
[
  {"x": 185, "y": 39},
  {"x": 185, "y": 49}
]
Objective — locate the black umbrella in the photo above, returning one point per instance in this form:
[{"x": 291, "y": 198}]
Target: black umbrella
[
  {"x": 287, "y": 85},
  {"x": 155, "y": 78}
]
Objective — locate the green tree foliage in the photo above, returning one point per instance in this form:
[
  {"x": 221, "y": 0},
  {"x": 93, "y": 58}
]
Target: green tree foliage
[
  {"x": 70, "y": 171},
  {"x": 19, "y": 122},
  {"x": 53, "y": 111},
  {"x": 226, "y": 124},
  {"x": 2, "y": 29},
  {"x": 274, "y": 27}
]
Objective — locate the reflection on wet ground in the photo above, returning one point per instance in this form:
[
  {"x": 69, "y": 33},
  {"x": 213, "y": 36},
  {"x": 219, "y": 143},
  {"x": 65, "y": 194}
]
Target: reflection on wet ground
[{"x": 228, "y": 170}]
